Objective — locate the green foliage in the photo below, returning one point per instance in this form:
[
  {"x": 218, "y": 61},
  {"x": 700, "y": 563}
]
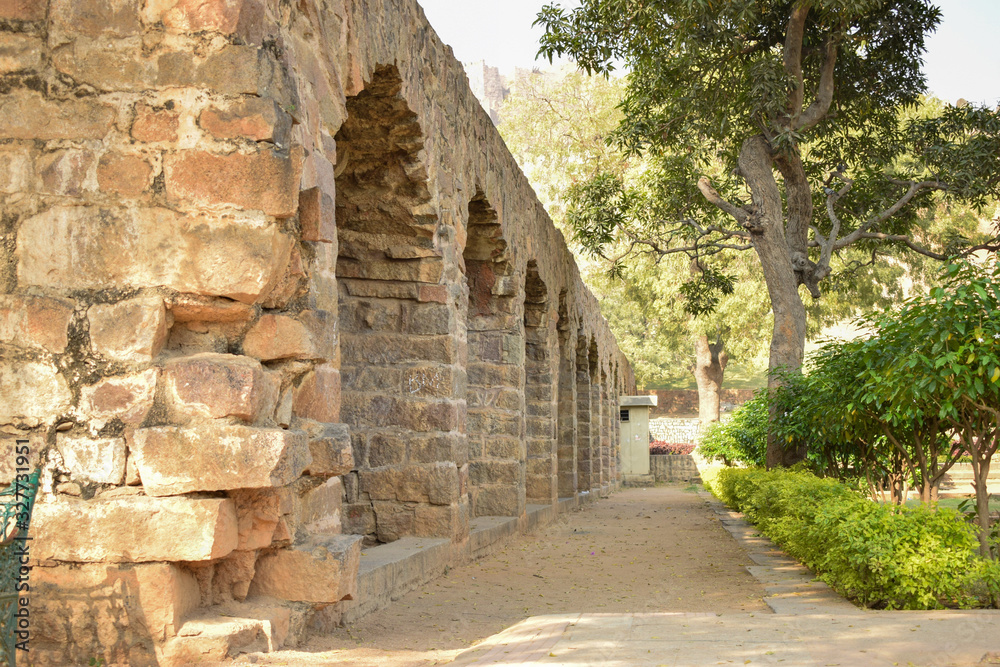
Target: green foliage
[
  {"x": 880, "y": 556},
  {"x": 741, "y": 439}
]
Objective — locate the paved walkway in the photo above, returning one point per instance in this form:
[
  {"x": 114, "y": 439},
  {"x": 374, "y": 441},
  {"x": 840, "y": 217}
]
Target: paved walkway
[{"x": 811, "y": 625}]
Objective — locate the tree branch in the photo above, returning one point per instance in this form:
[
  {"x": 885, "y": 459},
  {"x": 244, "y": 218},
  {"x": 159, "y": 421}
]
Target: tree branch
[
  {"x": 888, "y": 213},
  {"x": 793, "y": 56},
  {"x": 824, "y": 92},
  {"x": 713, "y": 197}
]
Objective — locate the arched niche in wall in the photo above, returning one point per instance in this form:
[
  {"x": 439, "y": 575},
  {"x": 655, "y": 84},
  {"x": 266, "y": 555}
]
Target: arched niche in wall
[
  {"x": 495, "y": 398},
  {"x": 398, "y": 356},
  {"x": 540, "y": 391},
  {"x": 566, "y": 429}
]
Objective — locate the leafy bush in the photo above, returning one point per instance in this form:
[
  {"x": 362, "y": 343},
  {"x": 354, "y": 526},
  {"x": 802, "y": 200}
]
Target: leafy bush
[
  {"x": 742, "y": 439},
  {"x": 881, "y": 556},
  {"x": 660, "y": 447}
]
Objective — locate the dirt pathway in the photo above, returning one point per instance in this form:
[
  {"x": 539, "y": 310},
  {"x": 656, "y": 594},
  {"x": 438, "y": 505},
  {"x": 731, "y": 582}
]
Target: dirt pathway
[{"x": 641, "y": 550}]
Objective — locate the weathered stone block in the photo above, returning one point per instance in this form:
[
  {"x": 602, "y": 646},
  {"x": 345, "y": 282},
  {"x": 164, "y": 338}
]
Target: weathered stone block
[
  {"x": 430, "y": 381},
  {"x": 78, "y": 247},
  {"x": 27, "y": 115},
  {"x": 111, "y": 18},
  {"x": 180, "y": 16},
  {"x": 194, "y": 308},
  {"x": 497, "y": 501},
  {"x": 257, "y": 515},
  {"x": 220, "y": 385},
  {"x": 494, "y": 472},
  {"x": 415, "y": 415},
  {"x": 255, "y": 118},
  {"x": 152, "y": 124},
  {"x": 324, "y": 570},
  {"x": 318, "y": 396},
  {"x": 321, "y": 508},
  {"x": 22, "y": 10},
  {"x": 437, "y": 520},
  {"x": 20, "y": 52},
  {"x": 113, "y": 614},
  {"x": 127, "y": 398},
  {"x": 262, "y": 180},
  {"x": 330, "y": 448},
  {"x": 317, "y": 216},
  {"x": 125, "y": 175},
  {"x": 133, "y": 529},
  {"x": 62, "y": 172},
  {"x": 393, "y": 520},
  {"x": 311, "y": 335},
  {"x": 100, "y": 460},
  {"x": 32, "y": 393},
  {"x": 216, "y": 456},
  {"x": 386, "y": 449},
  {"x": 387, "y": 349},
  {"x": 131, "y": 331},
  {"x": 359, "y": 519},
  {"x": 34, "y": 321},
  {"x": 19, "y": 449}
]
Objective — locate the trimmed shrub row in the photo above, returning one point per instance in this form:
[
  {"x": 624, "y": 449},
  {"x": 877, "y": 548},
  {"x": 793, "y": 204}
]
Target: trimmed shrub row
[{"x": 881, "y": 556}]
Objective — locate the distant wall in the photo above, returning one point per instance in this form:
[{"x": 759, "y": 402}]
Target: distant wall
[{"x": 684, "y": 402}]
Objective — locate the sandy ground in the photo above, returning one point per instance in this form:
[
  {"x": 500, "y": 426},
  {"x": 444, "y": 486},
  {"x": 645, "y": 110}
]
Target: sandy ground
[{"x": 641, "y": 550}]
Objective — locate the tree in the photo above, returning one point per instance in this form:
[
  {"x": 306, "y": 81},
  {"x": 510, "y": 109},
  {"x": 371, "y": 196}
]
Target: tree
[{"x": 777, "y": 127}]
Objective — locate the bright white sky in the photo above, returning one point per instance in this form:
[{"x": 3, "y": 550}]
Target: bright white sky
[{"x": 962, "y": 60}]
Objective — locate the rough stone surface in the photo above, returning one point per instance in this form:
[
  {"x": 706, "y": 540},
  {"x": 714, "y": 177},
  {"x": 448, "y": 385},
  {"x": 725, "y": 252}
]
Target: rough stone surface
[
  {"x": 323, "y": 570},
  {"x": 330, "y": 447},
  {"x": 32, "y": 393},
  {"x": 318, "y": 396},
  {"x": 26, "y": 115},
  {"x": 82, "y": 247},
  {"x": 128, "y": 398},
  {"x": 31, "y": 321},
  {"x": 100, "y": 460},
  {"x": 215, "y": 456},
  {"x": 123, "y": 174},
  {"x": 220, "y": 385},
  {"x": 133, "y": 529},
  {"x": 131, "y": 331},
  {"x": 262, "y": 181},
  {"x": 257, "y": 119}
]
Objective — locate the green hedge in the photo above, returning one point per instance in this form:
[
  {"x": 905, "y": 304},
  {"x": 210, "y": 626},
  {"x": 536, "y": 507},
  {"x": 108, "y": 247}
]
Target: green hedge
[{"x": 880, "y": 556}]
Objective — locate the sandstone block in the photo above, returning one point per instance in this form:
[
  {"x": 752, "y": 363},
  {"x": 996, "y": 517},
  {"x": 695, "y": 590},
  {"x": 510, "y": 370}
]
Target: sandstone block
[
  {"x": 100, "y": 460},
  {"x": 179, "y": 16},
  {"x": 232, "y": 576},
  {"x": 321, "y": 508},
  {"x": 125, "y": 175},
  {"x": 318, "y": 396},
  {"x": 220, "y": 385},
  {"x": 62, "y": 172},
  {"x": 330, "y": 447},
  {"x": 19, "y": 449},
  {"x": 32, "y": 393},
  {"x": 166, "y": 594},
  {"x": 19, "y": 53},
  {"x": 436, "y": 521},
  {"x": 310, "y": 335},
  {"x": 386, "y": 449},
  {"x": 257, "y": 515},
  {"x": 393, "y": 520},
  {"x": 35, "y": 321},
  {"x": 27, "y": 115},
  {"x": 154, "y": 124},
  {"x": 22, "y": 10},
  {"x": 111, "y": 18},
  {"x": 215, "y": 456},
  {"x": 133, "y": 529},
  {"x": 414, "y": 415},
  {"x": 324, "y": 570},
  {"x": 130, "y": 331},
  {"x": 255, "y": 118},
  {"x": 16, "y": 169},
  {"x": 194, "y": 308},
  {"x": 79, "y": 247},
  {"x": 262, "y": 180},
  {"x": 358, "y": 519},
  {"x": 317, "y": 216},
  {"x": 127, "y": 398}
]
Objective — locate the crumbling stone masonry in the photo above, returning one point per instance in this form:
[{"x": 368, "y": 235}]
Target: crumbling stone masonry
[{"x": 271, "y": 289}]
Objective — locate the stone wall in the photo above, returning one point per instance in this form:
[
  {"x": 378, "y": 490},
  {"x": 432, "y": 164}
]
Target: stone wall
[
  {"x": 271, "y": 288},
  {"x": 674, "y": 468},
  {"x": 684, "y": 402}
]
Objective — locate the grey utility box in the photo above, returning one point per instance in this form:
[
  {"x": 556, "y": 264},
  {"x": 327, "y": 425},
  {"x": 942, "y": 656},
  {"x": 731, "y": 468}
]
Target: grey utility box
[{"x": 634, "y": 417}]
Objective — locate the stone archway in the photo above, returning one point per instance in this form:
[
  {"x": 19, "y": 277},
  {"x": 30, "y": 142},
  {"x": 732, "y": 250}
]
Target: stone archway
[
  {"x": 398, "y": 346},
  {"x": 495, "y": 424}
]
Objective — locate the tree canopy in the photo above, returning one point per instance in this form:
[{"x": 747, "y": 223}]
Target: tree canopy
[{"x": 786, "y": 128}]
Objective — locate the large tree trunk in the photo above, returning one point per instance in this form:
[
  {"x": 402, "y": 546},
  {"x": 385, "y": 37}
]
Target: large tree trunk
[
  {"x": 767, "y": 228},
  {"x": 709, "y": 368}
]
